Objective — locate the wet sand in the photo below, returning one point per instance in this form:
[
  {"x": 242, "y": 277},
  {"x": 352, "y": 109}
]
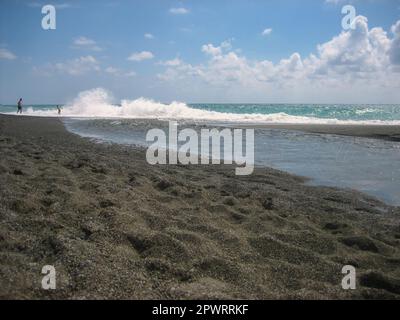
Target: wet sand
[{"x": 115, "y": 227}]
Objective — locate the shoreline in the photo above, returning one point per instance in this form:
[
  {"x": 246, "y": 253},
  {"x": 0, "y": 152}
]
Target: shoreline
[
  {"x": 384, "y": 132},
  {"x": 373, "y": 131},
  {"x": 115, "y": 227}
]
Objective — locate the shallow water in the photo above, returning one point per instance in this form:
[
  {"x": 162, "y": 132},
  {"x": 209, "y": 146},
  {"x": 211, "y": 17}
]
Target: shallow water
[{"x": 368, "y": 165}]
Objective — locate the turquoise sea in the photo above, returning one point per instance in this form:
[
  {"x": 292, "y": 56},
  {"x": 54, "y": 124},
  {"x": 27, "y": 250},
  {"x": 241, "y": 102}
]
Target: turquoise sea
[{"x": 266, "y": 113}]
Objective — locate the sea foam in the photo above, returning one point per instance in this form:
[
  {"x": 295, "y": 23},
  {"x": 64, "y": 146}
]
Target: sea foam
[{"x": 99, "y": 103}]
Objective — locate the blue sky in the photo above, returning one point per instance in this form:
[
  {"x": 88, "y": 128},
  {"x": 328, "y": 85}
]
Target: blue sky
[{"x": 201, "y": 51}]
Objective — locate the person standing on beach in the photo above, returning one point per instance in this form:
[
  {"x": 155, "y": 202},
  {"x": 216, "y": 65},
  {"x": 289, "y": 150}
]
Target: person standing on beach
[
  {"x": 19, "y": 110},
  {"x": 59, "y": 109}
]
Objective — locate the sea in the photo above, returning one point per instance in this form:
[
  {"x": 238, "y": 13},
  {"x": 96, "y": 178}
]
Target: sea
[{"x": 368, "y": 165}]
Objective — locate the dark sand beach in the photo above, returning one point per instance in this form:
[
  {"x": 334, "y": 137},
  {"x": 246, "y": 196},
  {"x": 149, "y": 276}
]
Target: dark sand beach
[{"x": 115, "y": 227}]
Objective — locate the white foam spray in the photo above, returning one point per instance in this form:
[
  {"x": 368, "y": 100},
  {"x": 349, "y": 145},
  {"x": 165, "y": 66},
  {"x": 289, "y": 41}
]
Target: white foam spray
[{"x": 99, "y": 103}]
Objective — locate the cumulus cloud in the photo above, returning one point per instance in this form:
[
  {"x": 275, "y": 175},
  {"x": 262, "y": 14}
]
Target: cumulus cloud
[
  {"x": 211, "y": 50},
  {"x": 359, "y": 50},
  {"x": 148, "y": 36},
  {"x": 140, "y": 56},
  {"x": 394, "y": 51},
  {"x": 361, "y": 58},
  {"x": 7, "y": 54}
]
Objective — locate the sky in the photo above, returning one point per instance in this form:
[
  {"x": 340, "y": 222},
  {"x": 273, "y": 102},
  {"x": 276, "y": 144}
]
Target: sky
[{"x": 208, "y": 51}]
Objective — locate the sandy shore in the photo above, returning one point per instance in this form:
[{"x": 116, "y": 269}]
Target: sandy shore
[{"x": 115, "y": 227}]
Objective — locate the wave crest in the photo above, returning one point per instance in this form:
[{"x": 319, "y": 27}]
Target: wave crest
[{"x": 98, "y": 103}]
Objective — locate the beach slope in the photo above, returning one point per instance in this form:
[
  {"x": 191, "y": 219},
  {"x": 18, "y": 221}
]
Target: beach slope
[{"x": 115, "y": 227}]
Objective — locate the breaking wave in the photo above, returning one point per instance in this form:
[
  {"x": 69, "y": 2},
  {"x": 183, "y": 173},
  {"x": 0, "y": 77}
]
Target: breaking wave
[{"x": 99, "y": 103}]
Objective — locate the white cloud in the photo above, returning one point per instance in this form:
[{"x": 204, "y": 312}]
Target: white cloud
[
  {"x": 75, "y": 67},
  {"x": 171, "y": 63},
  {"x": 363, "y": 60},
  {"x": 86, "y": 43},
  {"x": 180, "y": 10},
  {"x": 148, "y": 36},
  {"x": 140, "y": 56},
  {"x": 119, "y": 73},
  {"x": 358, "y": 52},
  {"x": 83, "y": 41},
  {"x": 267, "y": 32},
  {"x": 112, "y": 70},
  {"x": 81, "y": 66},
  {"x": 394, "y": 51},
  {"x": 7, "y": 54},
  {"x": 211, "y": 50},
  {"x": 227, "y": 44}
]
